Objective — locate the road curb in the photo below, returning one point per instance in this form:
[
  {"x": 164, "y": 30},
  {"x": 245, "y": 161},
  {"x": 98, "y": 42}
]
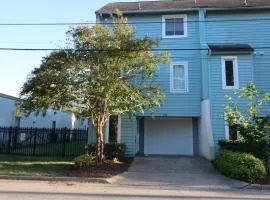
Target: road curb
[
  {"x": 57, "y": 179},
  {"x": 258, "y": 187}
]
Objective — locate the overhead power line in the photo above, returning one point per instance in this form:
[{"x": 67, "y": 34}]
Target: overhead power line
[
  {"x": 101, "y": 50},
  {"x": 138, "y": 22}
]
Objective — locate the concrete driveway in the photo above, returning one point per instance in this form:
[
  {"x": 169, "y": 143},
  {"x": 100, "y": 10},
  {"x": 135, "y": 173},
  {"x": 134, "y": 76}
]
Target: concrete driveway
[{"x": 179, "y": 171}]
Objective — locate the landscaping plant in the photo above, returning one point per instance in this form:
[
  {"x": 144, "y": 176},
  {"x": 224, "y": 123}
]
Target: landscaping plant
[
  {"x": 111, "y": 150},
  {"x": 250, "y": 123},
  {"x": 238, "y": 165},
  {"x": 105, "y": 70}
]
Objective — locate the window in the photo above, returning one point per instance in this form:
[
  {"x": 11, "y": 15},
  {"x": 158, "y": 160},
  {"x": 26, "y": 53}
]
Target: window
[
  {"x": 230, "y": 72},
  {"x": 179, "y": 77},
  {"x": 231, "y": 133},
  {"x": 174, "y": 26},
  {"x": 113, "y": 129}
]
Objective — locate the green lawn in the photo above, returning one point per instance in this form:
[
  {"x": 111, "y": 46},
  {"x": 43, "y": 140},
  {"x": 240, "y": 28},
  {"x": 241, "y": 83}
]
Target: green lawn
[
  {"x": 72, "y": 149},
  {"x": 22, "y": 165}
]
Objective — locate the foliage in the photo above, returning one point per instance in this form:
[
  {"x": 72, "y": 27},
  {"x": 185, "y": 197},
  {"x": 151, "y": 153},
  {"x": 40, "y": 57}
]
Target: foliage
[
  {"x": 114, "y": 150},
  {"x": 84, "y": 161},
  {"x": 111, "y": 150},
  {"x": 259, "y": 149},
  {"x": 249, "y": 124},
  {"x": 108, "y": 71},
  {"x": 242, "y": 166}
]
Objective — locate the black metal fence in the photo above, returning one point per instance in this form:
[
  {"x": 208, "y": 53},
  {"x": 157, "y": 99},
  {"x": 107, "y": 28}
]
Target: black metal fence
[{"x": 42, "y": 141}]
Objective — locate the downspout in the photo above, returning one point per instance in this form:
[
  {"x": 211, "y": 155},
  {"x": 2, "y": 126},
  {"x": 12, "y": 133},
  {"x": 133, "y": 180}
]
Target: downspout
[{"x": 206, "y": 135}]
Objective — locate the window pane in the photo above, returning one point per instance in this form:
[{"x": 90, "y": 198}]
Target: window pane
[
  {"x": 113, "y": 128},
  {"x": 179, "y": 26},
  {"x": 169, "y": 26},
  {"x": 179, "y": 77},
  {"x": 229, "y": 73},
  {"x": 232, "y": 133},
  {"x": 174, "y": 26}
]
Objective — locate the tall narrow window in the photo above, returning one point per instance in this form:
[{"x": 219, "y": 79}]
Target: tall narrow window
[
  {"x": 179, "y": 76},
  {"x": 113, "y": 129},
  {"x": 230, "y": 73},
  {"x": 174, "y": 26}
]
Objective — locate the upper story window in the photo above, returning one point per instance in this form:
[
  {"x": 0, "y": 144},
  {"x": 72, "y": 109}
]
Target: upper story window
[
  {"x": 230, "y": 72},
  {"x": 174, "y": 26},
  {"x": 179, "y": 77}
]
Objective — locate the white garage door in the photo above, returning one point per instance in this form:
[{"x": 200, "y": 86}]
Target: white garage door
[{"x": 168, "y": 137}]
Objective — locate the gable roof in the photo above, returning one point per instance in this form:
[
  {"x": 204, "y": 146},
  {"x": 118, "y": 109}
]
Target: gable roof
[{"x": 134, "y": 7}]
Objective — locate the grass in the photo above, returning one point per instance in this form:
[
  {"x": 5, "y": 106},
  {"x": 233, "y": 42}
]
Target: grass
[
  {"x": 22, "y": 165},
  {"x": 72, "y": 149}
]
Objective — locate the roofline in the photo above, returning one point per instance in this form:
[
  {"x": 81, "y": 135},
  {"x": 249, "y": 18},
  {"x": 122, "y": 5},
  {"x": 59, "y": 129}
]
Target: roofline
[
  {"x": 9, "y": 97},
  {"x": 186, "y": 9}
]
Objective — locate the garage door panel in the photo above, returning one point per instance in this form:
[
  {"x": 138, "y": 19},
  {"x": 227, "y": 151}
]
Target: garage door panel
[{"x": 168, "y": 137}]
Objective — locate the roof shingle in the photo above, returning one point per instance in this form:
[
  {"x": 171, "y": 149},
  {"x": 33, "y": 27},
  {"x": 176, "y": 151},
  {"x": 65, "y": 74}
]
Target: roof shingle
[{"x": 180, "y": 4}]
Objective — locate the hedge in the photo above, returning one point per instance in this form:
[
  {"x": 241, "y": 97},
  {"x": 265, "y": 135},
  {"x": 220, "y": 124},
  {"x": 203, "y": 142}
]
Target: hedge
[
  {"x": 238, "y": 165},
  {"x": 259, "y": 149},
  {"x": 111, "y": 150}
]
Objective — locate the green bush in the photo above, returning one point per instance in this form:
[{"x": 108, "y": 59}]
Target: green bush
[
  {"x": 84, "y": 161},
  {"x": 238, "y": 165},
  {"x": 111, "y": 150},
  {"x": 114, "y": 150},
  {"x": 91, "y": 149},
  {"x": 258, "y": 148}
]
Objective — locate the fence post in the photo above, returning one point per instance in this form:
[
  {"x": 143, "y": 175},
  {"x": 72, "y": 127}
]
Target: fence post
[
  {"x": 64, "y": 137},
  {"x": 35, "y": 142},
  {"x": 9, "y": 140}
]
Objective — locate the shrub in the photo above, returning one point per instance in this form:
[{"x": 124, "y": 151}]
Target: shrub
[
  {"x": 111, "y": 150},
  {"x": 114, "y": 150},
  {"x": 84, "y": 161},
  {"x": 238, "y": 165},
  {"x": 258, "y": 148},
  {"x": 91, "y": 149}
]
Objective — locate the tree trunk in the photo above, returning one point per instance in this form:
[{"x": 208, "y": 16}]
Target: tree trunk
[{"x": 99, "y": 149}]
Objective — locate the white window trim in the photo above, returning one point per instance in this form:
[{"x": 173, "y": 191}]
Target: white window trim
[
  {"x": 235, "y": 72},
  {"x": 164, "y": 17},
  {"x": 172, "y": 90},
  {"x": 107, "y": 125},
  {"x": 227, "y": 130}
]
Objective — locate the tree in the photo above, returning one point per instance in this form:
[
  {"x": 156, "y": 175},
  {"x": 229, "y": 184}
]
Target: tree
[
  {"x": 250, "y": 123},
  {"x": 106, "y": 72}
]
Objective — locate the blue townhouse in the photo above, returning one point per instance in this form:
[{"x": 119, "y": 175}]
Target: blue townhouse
[{"x": 215, "y": 47}]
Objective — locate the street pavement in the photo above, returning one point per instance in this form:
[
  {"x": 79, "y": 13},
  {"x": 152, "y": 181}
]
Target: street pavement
[{"x": 42, "y": 190}]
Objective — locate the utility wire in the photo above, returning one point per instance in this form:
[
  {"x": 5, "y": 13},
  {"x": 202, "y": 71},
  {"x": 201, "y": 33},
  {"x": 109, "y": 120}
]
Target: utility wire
[
  {"x": 145, "y": 22},
  {"x": 102, "y": 50}
]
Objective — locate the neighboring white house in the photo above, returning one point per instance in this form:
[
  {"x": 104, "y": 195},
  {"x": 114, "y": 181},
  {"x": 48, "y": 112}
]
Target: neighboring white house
[
  {"x": 7, "y": 110},
  {"x": 52, "y": 119}
]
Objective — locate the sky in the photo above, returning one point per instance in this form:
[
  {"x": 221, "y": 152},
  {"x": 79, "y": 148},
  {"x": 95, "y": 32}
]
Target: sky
[{"x": 16, "y": 65}]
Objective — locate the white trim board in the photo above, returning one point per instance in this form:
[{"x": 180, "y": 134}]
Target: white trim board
[
  {"x": 172, "y": 90},
  {"x": 235, "y": 72}
]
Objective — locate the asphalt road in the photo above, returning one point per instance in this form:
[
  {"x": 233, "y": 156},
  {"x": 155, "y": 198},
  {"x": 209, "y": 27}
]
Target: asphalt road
[{"x": 32, "y": 190}]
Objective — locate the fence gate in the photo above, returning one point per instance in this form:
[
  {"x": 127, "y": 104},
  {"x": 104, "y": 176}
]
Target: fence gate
[{"x": 42, "y": 141}]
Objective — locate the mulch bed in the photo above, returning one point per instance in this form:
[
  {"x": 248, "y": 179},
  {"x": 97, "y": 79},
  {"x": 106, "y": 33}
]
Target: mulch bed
[{"x": 106, "y": 170}]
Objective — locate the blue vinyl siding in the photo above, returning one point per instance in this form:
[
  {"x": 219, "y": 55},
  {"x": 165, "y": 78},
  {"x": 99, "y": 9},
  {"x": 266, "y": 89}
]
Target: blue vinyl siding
[
  {"x": 217, "y": 93},
  {"x": 128, "y": 134},
  {"x": 175, "y": 104},
  {"x": 252, "y": 68}
]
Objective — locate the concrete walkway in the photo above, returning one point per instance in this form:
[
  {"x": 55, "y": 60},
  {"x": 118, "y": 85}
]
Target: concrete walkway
[{"x": 194, "y": 172}]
